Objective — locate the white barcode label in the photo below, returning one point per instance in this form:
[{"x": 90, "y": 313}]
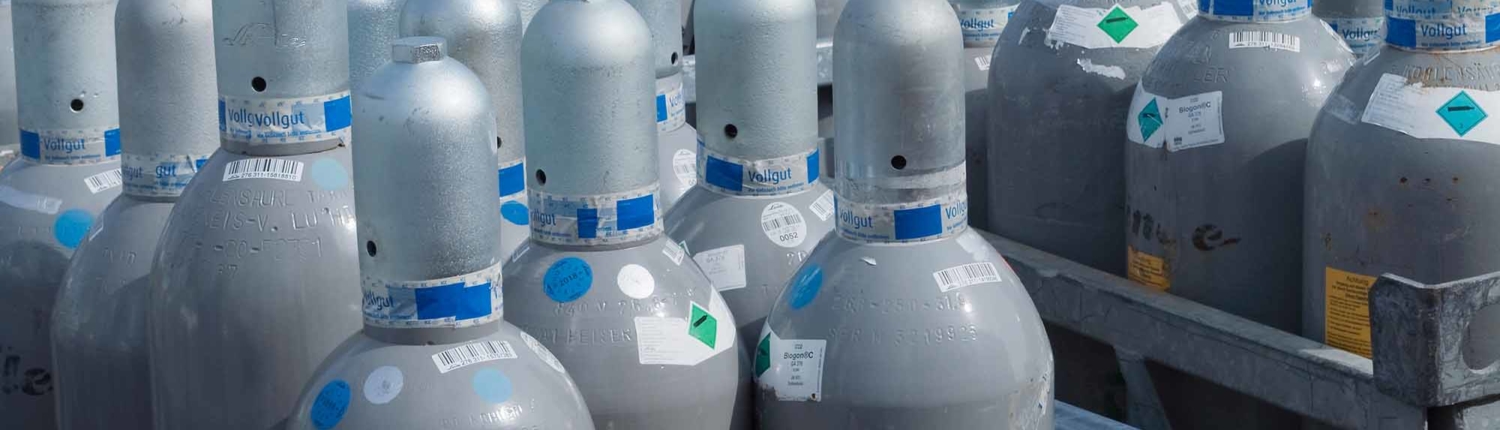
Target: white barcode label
[
  {"x": 264, "y": 168},
  {"x": 957, "y": 277},
  {"x": 103, "y": 181},
  {"x": 1265, "y": 39},
  {"x": 477, "y": 352},
  {"x": 685, "y": 167},
  {"x": 783, "y": 224},
  {"x": 823, "y": 206},
  {"x": 983, "y": 62},
  {"x": 673, "y": 252}
]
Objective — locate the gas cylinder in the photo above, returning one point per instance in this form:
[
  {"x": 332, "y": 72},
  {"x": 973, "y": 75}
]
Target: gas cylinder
[
  {"x": 649, "y": 341},
  {"x": 676, "y": 159},
  {"x": 168, "y": 128},
  {"x": 1062, "y": 77},
  {"x": 1197, "y": 181},
  {"x": 828, "y": 19},
  {"x": 981, "y": 22},
  {"x": 758, "y": 208},
  {"x": 1398, "y": 177},
  {"x": 485, "y": 35},
  {"x": 529, "y": 8},
  {"x": 256, "y": 279},
  {"x": 10, "y": 143},
  {"x": 430, "y": 268},
  {"x": 68, "y": 172},
  {"x": 1360, "y": 22},
  {"x": 373, "y": 25},
  {"x": 904, "y": 286}
]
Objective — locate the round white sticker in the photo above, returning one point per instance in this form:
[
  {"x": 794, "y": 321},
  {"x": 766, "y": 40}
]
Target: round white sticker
[
  {"x": 783, "y": 224},
  {"x": 384, "y": 384},
  {"x": 636, "y": 281},
  {"x": 685, "y": 166}
]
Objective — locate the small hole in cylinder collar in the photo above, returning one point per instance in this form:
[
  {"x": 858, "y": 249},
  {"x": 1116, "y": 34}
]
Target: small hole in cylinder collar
[
  {"x": 258, "y": 84},
  {"x": 731, "y": 131},
  {"x": 77, "y": 105},
  {"x": 370, "y": 247},
  {"x": 541, "y": 177},
  {"x": 898, "y": 162}
]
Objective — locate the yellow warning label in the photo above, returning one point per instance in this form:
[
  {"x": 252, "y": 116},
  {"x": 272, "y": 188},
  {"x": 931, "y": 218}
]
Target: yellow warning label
[
  {"x": 1347, "y": 305},
  {"x": 1147, "y": 269}
]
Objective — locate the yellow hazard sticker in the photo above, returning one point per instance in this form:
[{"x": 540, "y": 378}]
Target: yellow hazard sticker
[
  {"x": 1347, "y": 310},
  {"x": 1147, "y": 269}
]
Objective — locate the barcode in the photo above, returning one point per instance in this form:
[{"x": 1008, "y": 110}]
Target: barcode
[
  {"x": 477, "y": 352},
  {"x": 264, "y": 168},
  {"x": 1265, "y": 39},
  {"x": 685, "y": 169},
  {"x": 103, "y": 181},
  {"x": 772, "y": 225},
  {"x": 983, "y": 62},
  {"x": 962, "y": 276},
  {"x": 823, "y": 206}
]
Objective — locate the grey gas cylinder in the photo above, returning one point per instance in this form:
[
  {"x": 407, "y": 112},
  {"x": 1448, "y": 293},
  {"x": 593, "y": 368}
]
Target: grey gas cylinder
[
  {"x": 828, "y": 19},
  {"x": 68, "y": 172},
  {"x": 1059, "y": 84},
  {"x": 256, "y": 280},
  {"x": 758, "y": 208},
  {"x": 1360, "y": 22},
  {"x": 982, "y": 22},
  {"x": 373, "y": 25},
  {"x": 10, "y": 136},
  {"x": 905, "y": 318},
  {"x": 434, "y": 352},
  {"x": 1397, "y": 174},
  {"x": 529, "y": 8},
  {"x": 485, "y": 35},
  {"x": 677, "y": 157},
  {"x": 649, "y": 341},
  {"x": 168, "y": 127}
]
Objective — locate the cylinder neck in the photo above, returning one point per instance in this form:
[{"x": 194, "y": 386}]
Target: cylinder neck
[
  {"x": 284, "y": 126},
  {"x": 1458, "y": 26},
  {"x": 671, "y": 107},
  {"x": 65, "y": 147},
  {"x": 1258, "y": 11},
  {"x": 606, "y": 220}
]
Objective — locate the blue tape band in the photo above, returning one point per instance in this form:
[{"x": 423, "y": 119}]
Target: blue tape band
[
  {"x": 460, "y": 301},
  {"x": 285, "y": 121},
  {"x": 1450, "y": 33},
  {"x": 1255, "y": 10},
  {"x": 595, "y": 220},
  {"x": 765, "y": 177},
  {"x": 78, "y": 146},
  {"x": 513, "y": 179}
]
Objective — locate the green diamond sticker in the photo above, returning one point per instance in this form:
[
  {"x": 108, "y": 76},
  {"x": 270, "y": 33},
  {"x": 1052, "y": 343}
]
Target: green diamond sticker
[
  {"x": 1117, "y": 24},
  {"x": 1462, "y": 113},
  {"x": 703, "y": 326},
  {"x": 763, "y": 355},
  {"x": 1150, "y": 119}
]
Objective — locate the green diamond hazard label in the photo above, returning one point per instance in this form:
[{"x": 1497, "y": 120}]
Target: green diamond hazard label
[
  {"x": 703, "y": 326},
  {"x": 763, "y": 355},
  {"x": 1150, "y": 119},
  {"x": 1462, "y": 113},
  {"x": 1117, "y": 24}
]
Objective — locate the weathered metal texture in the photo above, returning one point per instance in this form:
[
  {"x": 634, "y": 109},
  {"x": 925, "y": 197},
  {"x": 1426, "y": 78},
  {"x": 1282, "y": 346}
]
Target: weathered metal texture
[
  {"x": 485, "y": 35},
  {"x": 761, "y": 208},
  {"x": 373, "y": 25},
  {"x": 1056, "y": 164},
  {"x": 875, "y": 299},
  {"x": 167, "y": 125},
  {"x": 981, "y": 22},
  {"x": 1198, "y": 223},
  {"x": 429, "y": 116},
  {"x": 66, "y": 92},
  {"x": 9, "y": 131},
  {"x": 1360, "y": 22},
  {"x": 678, "y": 140},
  {"x": 1305, "y": 377},
  {"x": 256, "y": 280},
  {"x": 1431, "y": 341},
  {"x": 611, "y": 304},
  {"x": 529, "y": 8},
  {"x": 828, "y": 19}
]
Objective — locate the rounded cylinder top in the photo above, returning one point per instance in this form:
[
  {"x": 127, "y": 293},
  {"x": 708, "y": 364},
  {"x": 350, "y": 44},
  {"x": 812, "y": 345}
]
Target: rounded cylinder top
[
  {"x": 426, "y": 116},
  {"x": 168, "y": 93},
  {"x": 66, "y": 90},
  {"x": 664, "y": 17},
  {"x": 1254, "y": 10},
  {"x": 485, "y": 35},
  {"x": 283, "y": 71},
  {"x": 589, "y": 106},
  {"x": 899, "y": 102},
  {"x": 758, "y": 83},
  {"x": 1458, "y": 25}
]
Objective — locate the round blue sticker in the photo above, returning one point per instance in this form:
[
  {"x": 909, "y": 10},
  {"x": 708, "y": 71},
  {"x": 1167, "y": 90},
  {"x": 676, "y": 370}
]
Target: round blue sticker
[
  {"x": 332, "y": 402},
  {"x": 71, "y": 227},
  {"x": 568, "y": 279},
  {"x": 515, "y": 212},
  {"x": 806, "y": 287},
  {"x": 492, "y": 385},
  {"x": 329, "y": 174}
]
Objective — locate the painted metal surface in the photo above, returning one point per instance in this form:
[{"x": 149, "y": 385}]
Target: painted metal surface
[
  {"x": 373, "y": 25},
  {"x": 663, "y": 17}
]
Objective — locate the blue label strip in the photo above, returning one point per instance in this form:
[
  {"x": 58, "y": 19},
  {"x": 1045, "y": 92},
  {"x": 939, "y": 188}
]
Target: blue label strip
[
  {"x": 774, "y": 176},
  {"x": 460, "y": 301},
  {"x": 1453, "y": 33},
  {"x": 1255, "y": 10},
  {"x": 285, "y": 121},
  {"x": 513, "y": 178},
  {"x": 70, "y": 146},
  {"x": 593, "y": 220},
  {"x": 159, "y": 175},
  {"x": 903, "y": 222}
]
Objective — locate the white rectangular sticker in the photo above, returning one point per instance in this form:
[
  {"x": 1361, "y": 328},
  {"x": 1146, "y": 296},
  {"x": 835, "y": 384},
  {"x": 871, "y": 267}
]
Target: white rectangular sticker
[
  {"x": 264, "y": 168},
  {"x": 1433, "y": 112},
  {"x": 823, "y": 206},
  {"x": 103, "y": 181},
  {"x": 474, "y": 353},
  {"x": 673, "y": 251},
  {"x": 725, "y": 266},
  {"x": 1180, "y": 123},
  {"x": 1264, "y": 39},
  {"x": 706, "y": 333},
  {"x": 1116, "y": 27},
  {"x": 957, "y": 277},
  {"x": 795, "y": 373}
]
